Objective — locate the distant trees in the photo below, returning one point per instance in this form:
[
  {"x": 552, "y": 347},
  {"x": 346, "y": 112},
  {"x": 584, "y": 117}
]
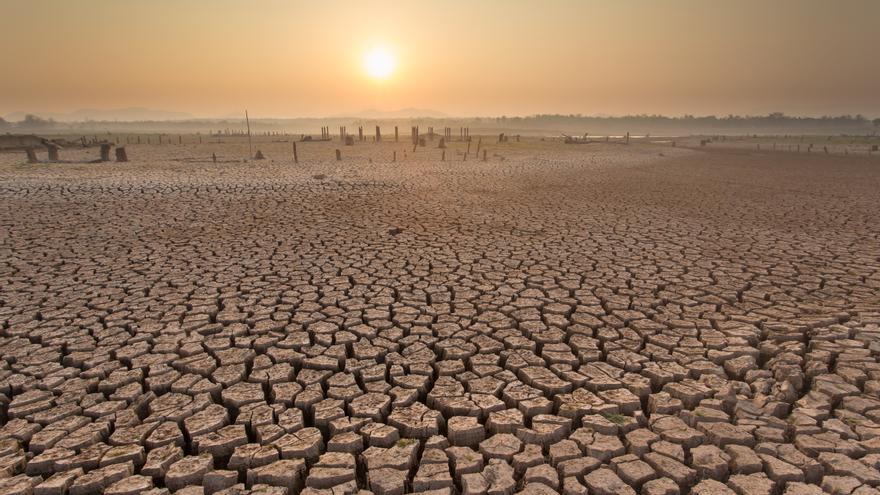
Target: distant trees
[{"x": 31, "y": 121}]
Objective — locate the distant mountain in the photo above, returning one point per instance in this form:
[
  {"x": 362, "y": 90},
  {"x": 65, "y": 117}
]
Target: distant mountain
[
  {"x": 403, "y": 113},
  {"x": 121, "y": 114}
]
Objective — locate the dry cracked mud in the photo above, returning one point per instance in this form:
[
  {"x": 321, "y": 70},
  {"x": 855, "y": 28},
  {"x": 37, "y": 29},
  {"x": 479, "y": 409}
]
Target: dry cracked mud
[{"x": 599, "y": 320}]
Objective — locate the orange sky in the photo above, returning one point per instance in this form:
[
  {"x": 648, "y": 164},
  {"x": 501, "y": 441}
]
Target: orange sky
[{"x": 482, "y": 57}]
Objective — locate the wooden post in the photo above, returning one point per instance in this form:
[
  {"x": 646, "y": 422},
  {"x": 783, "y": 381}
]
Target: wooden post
[
  {"x": 484, "y": 155},
  {"x": 105, "y": 152},
  {"x": 179, "y": 139},
  {"x": 31, "y": 155},
  {"x": 53, "y": 151},
  {"x": 627, "y": 138},
  {"x": 139, "y": 139},
  {"x": 338, "y": 155},
  {"x": 121, "y": 156},
  {"x": 378, "y": 134},
  {"x": 443, "y": 156},
  {"x": 250, "y": 144},
  {"x": 394, "y": 158},
  {"x": 360, "y": 133},
  {"x": 295, "y": 158},
  {"x": 395, "y": 134},
  {"x": 442, "y": 144}
]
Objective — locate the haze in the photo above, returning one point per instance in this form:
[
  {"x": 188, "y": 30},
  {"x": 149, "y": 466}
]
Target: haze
[{"x": 288, "y": 59}]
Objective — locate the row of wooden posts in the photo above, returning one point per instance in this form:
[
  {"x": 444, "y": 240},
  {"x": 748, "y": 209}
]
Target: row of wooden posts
[
  {"x": 121, "y": 155},
  {"x": 394, "y": 154}
]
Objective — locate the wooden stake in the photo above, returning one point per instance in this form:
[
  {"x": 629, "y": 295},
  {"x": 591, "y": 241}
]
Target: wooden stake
[
  {"x": 338, "y": 156},
  {"x": 295, "y": 158},
  {"x": 250, "y": 144}
]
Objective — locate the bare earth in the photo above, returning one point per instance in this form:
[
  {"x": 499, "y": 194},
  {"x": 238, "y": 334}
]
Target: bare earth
[{"x": 594, "y": 319}]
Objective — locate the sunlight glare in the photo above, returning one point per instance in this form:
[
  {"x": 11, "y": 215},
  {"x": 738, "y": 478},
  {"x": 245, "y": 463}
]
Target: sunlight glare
[{"x": 379, "y": 63}]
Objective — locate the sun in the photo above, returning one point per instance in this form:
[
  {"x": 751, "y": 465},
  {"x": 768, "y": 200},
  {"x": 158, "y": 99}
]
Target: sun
[{"x": 379, "y": 63}]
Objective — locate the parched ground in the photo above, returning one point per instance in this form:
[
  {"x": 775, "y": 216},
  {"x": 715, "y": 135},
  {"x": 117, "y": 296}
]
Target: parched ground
[{"x": 600, "y": 319}]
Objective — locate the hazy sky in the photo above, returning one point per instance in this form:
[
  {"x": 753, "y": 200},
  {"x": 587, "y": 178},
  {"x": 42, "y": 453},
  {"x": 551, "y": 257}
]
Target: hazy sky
[{"x": 479, "y": 57}]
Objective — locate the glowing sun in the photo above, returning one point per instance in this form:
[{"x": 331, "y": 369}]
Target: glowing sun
[{"x": 379, "y": 63}]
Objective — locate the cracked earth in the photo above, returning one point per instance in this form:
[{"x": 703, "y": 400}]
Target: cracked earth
[{"x": 579, "y": 320}]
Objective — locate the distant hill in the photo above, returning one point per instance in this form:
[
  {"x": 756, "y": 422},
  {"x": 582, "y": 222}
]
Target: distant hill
[
  {"x": 132, "y": 114},
  {"x": 403, "y": 113}
]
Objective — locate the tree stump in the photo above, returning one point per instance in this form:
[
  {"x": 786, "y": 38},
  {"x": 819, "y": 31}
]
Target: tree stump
[
  {"x": 121, "y": 156},
  {"x": 53, "y": 152},
  {"x": 442, "y": 144},
  {"x": 338, "y": 156},
  {"x": 349, "y": 140},
  {"x": 31, "y": 155},
  {"x": 259, "y": 155},
  {"x": 105, "y": 152}
]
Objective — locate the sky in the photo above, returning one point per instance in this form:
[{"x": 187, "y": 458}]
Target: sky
[{"x": 287, "y": 58}]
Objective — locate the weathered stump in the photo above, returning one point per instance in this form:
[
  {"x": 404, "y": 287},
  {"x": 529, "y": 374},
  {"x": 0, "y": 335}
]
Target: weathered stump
[
  {"x": 349, "y": 140},
  {"x": 442, "y": 144},
  {"x": 121, "y": 155},
  {"x": 259, "y": 155},
  {"x": 31, "y": 155},
  {"x": 53, "y": 152},
  {"x": 338, "y": 156},
  {"x": 105, "y": 152}
]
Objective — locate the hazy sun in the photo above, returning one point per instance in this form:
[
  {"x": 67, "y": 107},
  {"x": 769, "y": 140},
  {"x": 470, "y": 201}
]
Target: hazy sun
[{"x": 379, "y": 63}]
